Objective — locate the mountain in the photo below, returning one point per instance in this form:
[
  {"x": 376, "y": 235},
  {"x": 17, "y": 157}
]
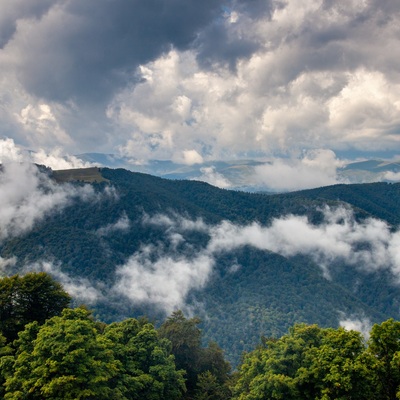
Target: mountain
[
  {"x": 249, "y": 264},
  {"x": 369, "y": 171},
  {"x": 239, "y": 174}
]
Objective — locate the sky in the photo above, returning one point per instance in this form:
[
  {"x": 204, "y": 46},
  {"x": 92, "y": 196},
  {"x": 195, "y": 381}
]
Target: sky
[{"x": 193, "y": 81}]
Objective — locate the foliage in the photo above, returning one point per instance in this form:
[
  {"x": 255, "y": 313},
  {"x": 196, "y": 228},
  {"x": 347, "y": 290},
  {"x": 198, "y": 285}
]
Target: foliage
[
  {"x": 384, "y": 347},
  {"x": 147, "y": 370},
  {"x": 32, "y": 297},
  {"x": 69, "y": 359},
  {"x": 74, "y": 357},
  {"x": 308, "y": 363},
  {"x": 205, "y": 367},
  {"x": 265, "y": 295}
]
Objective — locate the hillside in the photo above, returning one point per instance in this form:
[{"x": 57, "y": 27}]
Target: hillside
[
  {"x": 239, "y": 174},
  {"x": 249, "y": 265}
]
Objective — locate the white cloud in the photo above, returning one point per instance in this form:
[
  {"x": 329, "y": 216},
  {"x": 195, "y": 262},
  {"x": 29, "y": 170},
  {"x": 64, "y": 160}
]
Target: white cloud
[
  {"x": 9, "y": 151},
  {"x": 319, "y": 74},
  {"x": 175, "y": 222},
  {"x": 316, "y": 168},
  {"x": 369, "y": 244},
  {"x": 163, "y": 280},
  {"x": 5, "y": 263},
  {"x": 40, "y": 119},
  {"x": 362, "y": 325},
  {"x": 392, "y": 176},
  {"x": 79, "y": 288},
  {"x": 56, "y": 160},
  {"x": 27, "y": 195},
  {"x": 190, "y": 157},
  {"x": 211, "y": 176},
  {"x": 122, "y": 225}
]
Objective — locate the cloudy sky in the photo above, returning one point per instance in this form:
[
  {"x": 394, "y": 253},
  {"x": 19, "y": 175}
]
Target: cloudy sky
[{"x": 194, "y": 81}]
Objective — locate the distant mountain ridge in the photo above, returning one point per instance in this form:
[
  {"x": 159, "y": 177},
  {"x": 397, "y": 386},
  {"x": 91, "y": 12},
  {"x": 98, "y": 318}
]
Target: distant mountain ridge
[
  {"x": 156, "y": 244},
  {"x": 239, "y": 173}
]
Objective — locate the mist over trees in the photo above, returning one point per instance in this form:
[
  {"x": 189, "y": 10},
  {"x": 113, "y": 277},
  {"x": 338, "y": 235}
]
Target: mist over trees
[{"x": 129, "y": 244}]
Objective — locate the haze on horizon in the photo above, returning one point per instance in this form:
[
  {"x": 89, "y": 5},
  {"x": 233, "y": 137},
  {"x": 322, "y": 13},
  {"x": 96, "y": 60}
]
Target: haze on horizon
[{"x": 305, "y": 85}]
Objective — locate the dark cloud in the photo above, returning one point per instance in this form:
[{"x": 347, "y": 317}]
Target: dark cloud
[
  {"x": 258, "y": 8},
  {"x": 85, "y": 50},
  {"x": 226, "y": 41},
  {"x": 217, "y": 46},
  {"x": 11, "y": 11}
]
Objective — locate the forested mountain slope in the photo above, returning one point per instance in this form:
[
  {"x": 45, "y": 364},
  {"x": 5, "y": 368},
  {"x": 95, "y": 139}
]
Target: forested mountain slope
[{"x": 248, "y": 264}]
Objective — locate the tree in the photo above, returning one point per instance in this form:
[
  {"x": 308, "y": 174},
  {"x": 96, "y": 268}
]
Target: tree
[
  {"x": 147, "y": 369},
  {"x": 204, "y": 366},
  {"x": 68, "y": 359},
  {"x": 210, "y": 388},
  {"x": 32, "y": 297},
  {"x": 384, "y": 346},
  {"x": 338, "y": 368},
  {"x": 185, "y": 338},
  {"x": 308, "y": 363},
  {"x": 6, "y": 358}
]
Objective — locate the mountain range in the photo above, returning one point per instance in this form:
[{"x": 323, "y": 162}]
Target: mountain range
[
  {"x": 241, "y": 174},
  {"x": 248, "y": 264}
]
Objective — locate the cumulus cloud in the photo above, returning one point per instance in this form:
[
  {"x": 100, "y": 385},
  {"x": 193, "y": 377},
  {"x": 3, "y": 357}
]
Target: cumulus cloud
[
  {"x": 303, "y": 81},
  {"x": 117, "y": 35},
  {"x": 392, "y": 176},
  {"x": 190, "y": 157},
  {"x": 316, "y": 168},
  {"x": 211, "y": 176},
  {"x": 214, "y": 79},
  {"x": 54, "y": 159},
  {"x": 10, "y": 152}
]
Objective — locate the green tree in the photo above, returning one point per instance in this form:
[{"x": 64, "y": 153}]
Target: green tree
[
  {"x": 68, "y": 359},
  {"x": 203, "y": 365},
  {"x": 384, "y": 346},
  {"x": 6, "y": 358},
  {"x": 185, "y": 337},
  {"x": 338, "y": 368},
  {"x": 210, "y": 388},
  {"x": 32, "y": 297},
  {"x": 147, "y": 368},
  {"x": 307, "y": 363}
]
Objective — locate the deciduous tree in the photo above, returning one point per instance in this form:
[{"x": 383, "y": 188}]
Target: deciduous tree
[{"x": 28, "y": 298}]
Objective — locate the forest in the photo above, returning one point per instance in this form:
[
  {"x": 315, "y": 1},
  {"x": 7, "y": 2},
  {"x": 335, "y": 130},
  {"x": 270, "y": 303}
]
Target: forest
[
  {"x": 136, "y": 245},
  {"x": 51, "y": 351}
]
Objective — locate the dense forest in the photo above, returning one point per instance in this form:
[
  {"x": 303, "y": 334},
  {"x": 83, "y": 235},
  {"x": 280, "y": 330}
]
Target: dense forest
[
  {"x": 51, "y": 351},
  {"x": 135, "y": 245}
]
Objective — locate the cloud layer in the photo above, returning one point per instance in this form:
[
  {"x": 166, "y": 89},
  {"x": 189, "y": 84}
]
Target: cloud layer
[
  {"x": 191, "y": 81},
  {"x": 155, "y": 276}
]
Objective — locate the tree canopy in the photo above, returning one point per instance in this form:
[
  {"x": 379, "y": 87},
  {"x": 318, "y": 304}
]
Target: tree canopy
[
  {"x": 28, "y": 298},
  {"x": 74, "y": 356},
  {"x": 323, "y": 364}
]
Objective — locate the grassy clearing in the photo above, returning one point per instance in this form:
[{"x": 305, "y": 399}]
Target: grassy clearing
[{"x": 88, "y": 175}]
